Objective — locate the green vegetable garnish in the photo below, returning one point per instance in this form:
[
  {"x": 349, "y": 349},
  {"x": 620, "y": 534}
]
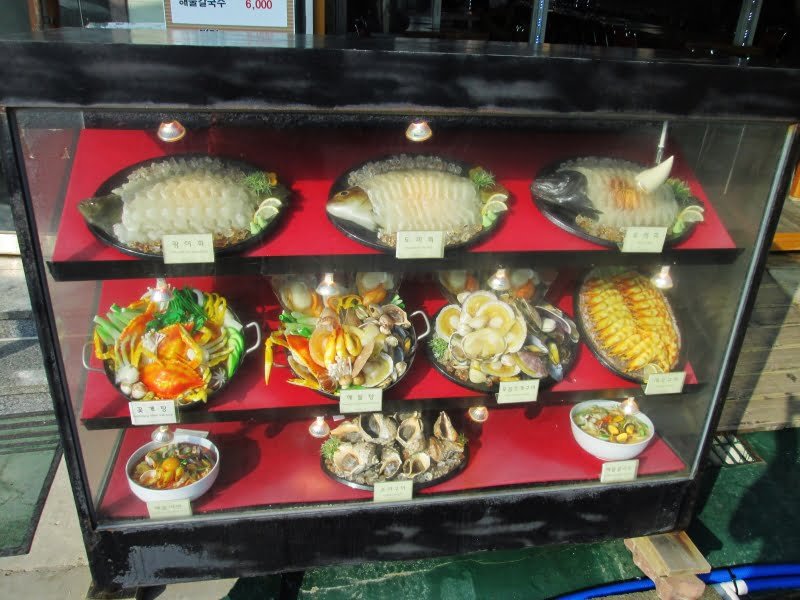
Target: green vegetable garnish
[
  {"x": 462, "y": 440},
  {"x": 398, "y": 301},
  {"x": 182, "y": 308},
  {"x": 261, "y": 182},
  {"x": 680, "y": 189},
  {"x": 481, "y": 178},
  {"x": 329, "y": 448},
  {"x": 286, "y": 317},
  {"x": 438, "y": 347}
]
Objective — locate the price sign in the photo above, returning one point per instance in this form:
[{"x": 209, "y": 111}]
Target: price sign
[
  {"x": 644, "y": 239},
  {"x": 153, "y": 412},
  {"x": 511, "y": 392},
  {"x": 169, "y": 509},
  {"x": 359, "y": 401},
  {"x": 393, "y": 491},
  {"x": 188, "y": 248},
  {"x": 420, "y": 244},
  {"x": 619, "y": 470},
  {"x": 230, "y": 13},
  {"x": 191, "y": 432},
  {"x": 665, "y": 383}
]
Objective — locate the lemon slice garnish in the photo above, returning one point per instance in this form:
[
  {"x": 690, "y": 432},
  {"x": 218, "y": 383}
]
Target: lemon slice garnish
[
  {"x": 650, "y": 369},
  {"x": 692, "y": 214},
  {"x": 271, "y": 202},
  {"x": 494, "y": 206},
  {"x": 265, "y": 213}
]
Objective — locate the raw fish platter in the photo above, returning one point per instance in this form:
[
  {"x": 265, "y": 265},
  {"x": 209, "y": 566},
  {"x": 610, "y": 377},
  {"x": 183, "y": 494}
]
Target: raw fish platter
[
  {"x": 374, "y": 202},
  {"x": 599, "y": 198},
  {"x": 628, "y": 323},
  {"x": 233, "y": 201},
  {"x": 372, "y": 448}
]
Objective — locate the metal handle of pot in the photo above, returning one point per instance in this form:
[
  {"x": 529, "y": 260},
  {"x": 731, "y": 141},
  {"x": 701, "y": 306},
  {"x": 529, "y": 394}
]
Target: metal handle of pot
[
  {"x": 257, "y": 344},
  {"x": 85, "y": 359},
  {"x": 427, "y": 331}
]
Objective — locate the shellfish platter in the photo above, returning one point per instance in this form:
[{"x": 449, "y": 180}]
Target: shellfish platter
[
  {"x": 235, "y": 202},
  {"x": 355, "y": 342},
  {"x": 182, "y": 345},
  {"x": 598, "y": 199},
  {"x": 486, "y": 338},
  {"x": 374, "y": 448},
  {"x": 376, "y": 201},
  {"x": 628, "y": 323}
]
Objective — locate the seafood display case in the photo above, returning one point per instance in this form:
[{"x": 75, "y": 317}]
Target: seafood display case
[{"x": 326, "y": 314}]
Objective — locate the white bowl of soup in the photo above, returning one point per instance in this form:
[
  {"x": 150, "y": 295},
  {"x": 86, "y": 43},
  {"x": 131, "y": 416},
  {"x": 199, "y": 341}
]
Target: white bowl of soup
[
  {"x": 182, "y": 469},
  {"x": 604, "y": 431}
]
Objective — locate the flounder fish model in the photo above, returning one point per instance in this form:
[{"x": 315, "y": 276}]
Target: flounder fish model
[
  {"x": 187, "y": 195},
  {"x": 604, "y": 196},
  {"x": 420, "y": 193}
]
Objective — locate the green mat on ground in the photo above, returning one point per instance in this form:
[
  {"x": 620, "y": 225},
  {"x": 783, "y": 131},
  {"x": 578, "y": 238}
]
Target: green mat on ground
[
  {"x": 746, "y": 514},
  {"x": 29, "y": 454}
]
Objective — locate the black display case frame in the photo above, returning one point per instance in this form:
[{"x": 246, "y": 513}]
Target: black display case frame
[{"x": 106, "y": 73}]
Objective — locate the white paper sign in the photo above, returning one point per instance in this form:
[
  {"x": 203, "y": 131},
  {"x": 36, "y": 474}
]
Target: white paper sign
[
  {"x": 511, "y": 392},
  {"x": 153, "y": 412},
  {"x": 665, "y": 383},
  {"x": 420, "y": 244},
  {"x": 169, "y": 509},
  {"x": 393, "y": 491},
  {"x": 191, "y": 432},
  {"x": 360, "y": 401},
  {"x": 230, "y": 13},
  {"x": 619, "y": 470},
  {"x": 188, "y": 248},
  {"x": 644, "y": 239}
]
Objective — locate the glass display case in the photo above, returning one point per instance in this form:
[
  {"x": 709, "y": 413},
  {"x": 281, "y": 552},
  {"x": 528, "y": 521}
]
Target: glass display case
[{"x": 303, "y": 304}]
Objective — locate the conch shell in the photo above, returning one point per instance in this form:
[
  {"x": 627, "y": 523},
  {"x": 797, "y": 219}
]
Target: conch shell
[
  {"x": 410, "y": 436},
  {"x": 390, "y": 462},
  {"x": 379, "y": 429},
  {"x": 352, "y": 459},
  {"x": 416, "y": 465},
  {"x": 443, "y": 428}
]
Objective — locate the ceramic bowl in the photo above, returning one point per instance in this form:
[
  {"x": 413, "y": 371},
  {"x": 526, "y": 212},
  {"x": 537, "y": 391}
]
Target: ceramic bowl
[
  {"x": 608, "y": 450},
  {"x": 188, "y": 492}
]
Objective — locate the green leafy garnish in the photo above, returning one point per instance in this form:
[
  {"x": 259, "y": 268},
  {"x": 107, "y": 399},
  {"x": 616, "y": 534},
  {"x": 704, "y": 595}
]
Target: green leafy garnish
[
  {"x": 488, "y": 219},
  {"x": 398, "y": 301},
  {"x": 329, "y": 448},
  {"x": 462, "y": 440},
  {"x": 286, "y": 317},
  {"x": 261, "y": 182},
  {"x": 680, "y": 189},
  {"x": 481, "y": 178},
  {"x": 182, "y": 308},
  {"x": 438, "y": 347}
]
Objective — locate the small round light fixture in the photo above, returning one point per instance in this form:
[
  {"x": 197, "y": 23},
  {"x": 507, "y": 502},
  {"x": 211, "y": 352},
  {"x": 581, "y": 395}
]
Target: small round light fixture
[
  {"x": 171, "y": 131},
  {"x": 499, "y": 281},
  {"x": 662, "y": 280},
  {"x": 319, "y": 428},
  {"x": 478, "y": 414},
  {"x": 328, "y": 288},
  {"x": 162, "y": 434},
  {"x": 629, "y": 406},
  {"x": 419, "y": 131},
  {"x": 162, "y": 293}
]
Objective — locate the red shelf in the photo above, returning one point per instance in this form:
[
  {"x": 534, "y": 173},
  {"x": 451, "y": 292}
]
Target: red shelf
[
  {"x": 311, "y": 160},
  {"x": 278, "y": 464},
  {"x": 103, "y": 406}
]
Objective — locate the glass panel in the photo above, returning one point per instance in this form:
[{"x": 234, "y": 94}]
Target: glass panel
[{"x": 534, "y": 287}]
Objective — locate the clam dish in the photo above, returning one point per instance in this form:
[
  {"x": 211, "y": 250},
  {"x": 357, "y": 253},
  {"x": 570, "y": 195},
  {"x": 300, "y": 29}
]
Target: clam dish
[
  {"x": 488, "y": 338},
  {"x": 373, "y": 448},
  {"x": 375, "y": 201},
  {"x": 628, "y": 323}
]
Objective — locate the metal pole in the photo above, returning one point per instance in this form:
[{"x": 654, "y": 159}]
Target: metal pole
[
  {"x": 538, "y": 22},
  {"x": 748, "y": 21}
]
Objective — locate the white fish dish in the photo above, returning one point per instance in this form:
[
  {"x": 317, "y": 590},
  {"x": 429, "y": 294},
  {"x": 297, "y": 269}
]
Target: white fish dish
[
  {"x": 602, "y": 197},
  {"x": 189, "y": 194},
  {"x": 416, "y": 193}
]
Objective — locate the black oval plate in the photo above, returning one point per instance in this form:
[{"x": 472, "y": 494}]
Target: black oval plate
[
  {"x": 417, "y": 486},
  {"x": 191, "y": 406},
  {"x": 544, "y": 382},
  {"x": 573, "y": 228},
  {"x": 121, "y": 177},
  {"x": 368, "y": 238},
  {"x": 600, "y": 354},
  {"x": 412, "y": 354}
]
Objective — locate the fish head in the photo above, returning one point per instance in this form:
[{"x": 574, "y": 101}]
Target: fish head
[
  {"x": 566, "y": 190},
  {"x": 102, "y": 211},
  {"x": 353, "y": 204}
]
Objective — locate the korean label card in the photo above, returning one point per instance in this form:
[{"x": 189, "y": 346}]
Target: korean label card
[
  {"x": 188, "y": 248},
  {"x": 644, "y": 239},
  {"x": 510, "y": 392},
  {"x": 169, "y": 509},
  {"x": 420, "y": 244},
  {"x": 363, "y": 400},
  {"x": 153, "y": 412},
  {"x": 393, "y": 491},
  {"x": 665, "y": 383},
  {"x": 619, "y": 470}
]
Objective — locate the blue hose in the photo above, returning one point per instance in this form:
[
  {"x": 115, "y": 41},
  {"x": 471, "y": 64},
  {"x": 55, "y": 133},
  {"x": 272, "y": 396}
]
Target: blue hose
[{"x": 757, "y": 577}]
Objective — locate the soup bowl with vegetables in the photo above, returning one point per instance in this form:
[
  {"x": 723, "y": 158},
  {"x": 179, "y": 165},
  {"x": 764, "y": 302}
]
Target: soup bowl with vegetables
[
  {"x": 182, "y": 469},
  {"x": 604, "y": 431}
]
